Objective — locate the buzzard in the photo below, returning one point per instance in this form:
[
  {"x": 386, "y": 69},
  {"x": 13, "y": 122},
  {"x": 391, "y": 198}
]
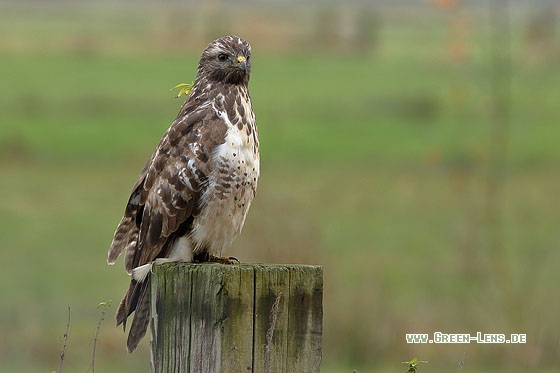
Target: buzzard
[{"x": 191, "y": 198}]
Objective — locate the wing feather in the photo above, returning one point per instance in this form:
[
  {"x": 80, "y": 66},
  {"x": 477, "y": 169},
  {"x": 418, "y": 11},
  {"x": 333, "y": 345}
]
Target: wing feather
[
  {"x": 167, "y": 191},
  {"x": 165, "y": 197}
]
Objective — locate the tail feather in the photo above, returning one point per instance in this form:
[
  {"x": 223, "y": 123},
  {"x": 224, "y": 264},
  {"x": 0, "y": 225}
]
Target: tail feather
[
  {"x": 128, "y": 303},
  {"x": 135, "y": 300},
  {"x": 123, "y": 312},
  {"x": 140, "y": 321}
]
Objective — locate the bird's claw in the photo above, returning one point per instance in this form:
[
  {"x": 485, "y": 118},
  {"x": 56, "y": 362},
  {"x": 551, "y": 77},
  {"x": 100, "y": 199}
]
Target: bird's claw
[{"x": 222, "y": 260}]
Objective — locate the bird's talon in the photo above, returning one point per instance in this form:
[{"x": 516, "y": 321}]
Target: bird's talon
[
  {"x": 234, "y": 259},
  {"x": 222, "y": 260}
]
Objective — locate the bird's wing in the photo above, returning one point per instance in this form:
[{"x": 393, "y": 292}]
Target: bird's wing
[
  {"x": 163, "y": 202},
  {"x": 168, "y": 190}
]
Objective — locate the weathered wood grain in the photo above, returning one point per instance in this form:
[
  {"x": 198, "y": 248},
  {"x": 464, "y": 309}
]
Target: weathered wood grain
[
  {"x": 272, "y": 289},
  {"x": 236, "y": 318}
]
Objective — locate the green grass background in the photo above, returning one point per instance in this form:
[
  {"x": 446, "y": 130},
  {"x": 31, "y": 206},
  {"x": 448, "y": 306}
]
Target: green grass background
[{"x": 375, "y": 164}]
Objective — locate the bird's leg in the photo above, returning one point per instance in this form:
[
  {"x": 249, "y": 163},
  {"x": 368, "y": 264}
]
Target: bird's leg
[
  {"x": 206, "y": 257},
  {"x": 222, "y": 260}
]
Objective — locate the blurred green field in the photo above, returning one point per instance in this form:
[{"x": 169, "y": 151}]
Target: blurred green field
[{"x": 375, "y": 164}]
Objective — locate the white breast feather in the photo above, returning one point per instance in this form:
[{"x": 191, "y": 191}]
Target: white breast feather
[{"x": 224, "y": 215}]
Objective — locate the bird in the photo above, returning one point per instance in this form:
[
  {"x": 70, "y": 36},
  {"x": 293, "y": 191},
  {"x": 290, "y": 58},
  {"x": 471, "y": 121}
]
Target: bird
[{"x": 192, "y": 196}]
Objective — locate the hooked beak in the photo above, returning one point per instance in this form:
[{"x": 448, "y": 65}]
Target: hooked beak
[{"x": 242, "y": 63}]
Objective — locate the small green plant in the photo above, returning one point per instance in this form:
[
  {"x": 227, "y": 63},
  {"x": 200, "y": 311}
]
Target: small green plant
[
  {"x": 413, "y": 364},
  {"x": 184, "y": 88}
]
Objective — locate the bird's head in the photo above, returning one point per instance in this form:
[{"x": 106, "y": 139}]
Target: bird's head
[{"x": 226, "y": 60}]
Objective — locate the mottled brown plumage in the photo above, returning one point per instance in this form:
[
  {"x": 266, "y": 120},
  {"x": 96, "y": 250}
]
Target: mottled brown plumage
[{"x": 191, "y": 198}]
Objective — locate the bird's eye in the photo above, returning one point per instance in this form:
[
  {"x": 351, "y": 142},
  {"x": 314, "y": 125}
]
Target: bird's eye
[{"x": 222, "y": 57}]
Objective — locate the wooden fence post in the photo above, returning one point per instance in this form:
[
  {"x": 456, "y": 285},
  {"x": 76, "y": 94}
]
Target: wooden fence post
[{"x": 236, "y": 318}]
